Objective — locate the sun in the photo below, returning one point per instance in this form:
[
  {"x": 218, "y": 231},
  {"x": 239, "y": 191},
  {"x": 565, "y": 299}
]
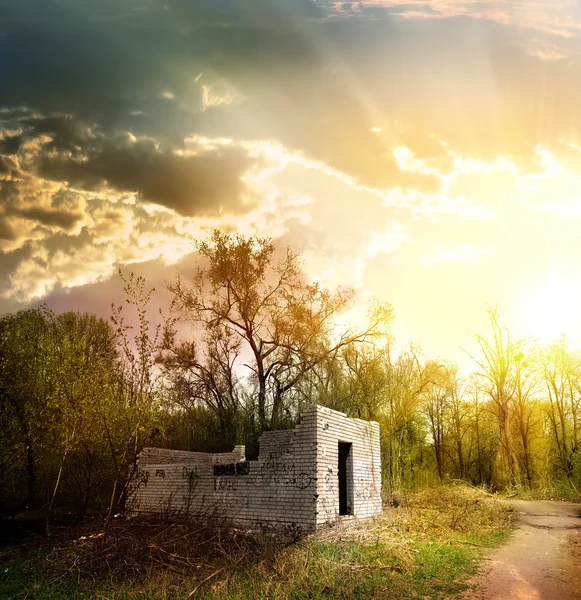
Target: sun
[{"x": 551, "y": 309}]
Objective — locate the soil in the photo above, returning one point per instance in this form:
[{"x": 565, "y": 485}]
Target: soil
[{"x": 542, "y": 560}]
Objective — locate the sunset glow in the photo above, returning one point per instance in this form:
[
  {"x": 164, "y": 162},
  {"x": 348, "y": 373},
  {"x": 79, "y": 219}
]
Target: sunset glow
[
  {"x": 427, "y": 155},
  {"x": 551, "y": 310}
]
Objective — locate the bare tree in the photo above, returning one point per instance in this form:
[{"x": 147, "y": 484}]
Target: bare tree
[
  {"x": 500, "y": 377},
  {"x": 561, "y": 372},
  {"x": 407, "y": 380},
  {"x": 276, "y": 327},
  {"x": 437, "y": 397}
]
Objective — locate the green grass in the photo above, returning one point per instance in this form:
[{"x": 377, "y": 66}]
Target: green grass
[
  {"x": 26, "y": 577},
  {"x": 426, "y": 549}
]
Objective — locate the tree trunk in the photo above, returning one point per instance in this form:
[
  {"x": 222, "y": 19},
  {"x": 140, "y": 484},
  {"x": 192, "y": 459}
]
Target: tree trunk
[
  {"x": 30, "y": 473},
  {"x": 29, "y": 452}
]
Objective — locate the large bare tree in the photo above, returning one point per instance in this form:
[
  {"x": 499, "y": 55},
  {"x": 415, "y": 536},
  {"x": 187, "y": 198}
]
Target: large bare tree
[
  {"x": 504, "y": 381},
  {"x": 260, "y": 322}
]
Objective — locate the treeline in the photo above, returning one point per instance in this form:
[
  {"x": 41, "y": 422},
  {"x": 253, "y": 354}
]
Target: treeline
[
  {"x": 75, "y": 409},
  {"x": 246, "y": 344},
  {"x": 513, "y": 424}
]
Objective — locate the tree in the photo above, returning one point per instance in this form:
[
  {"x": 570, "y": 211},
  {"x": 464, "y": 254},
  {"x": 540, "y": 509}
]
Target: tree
[
  {"x": 136, "y": 393},
  {"x": 209, "y": 382},
  {"x": 25, "y": 391},
  {"x": 459, "y": 425},
  {"x": 525, "y": 417},
  {"x": 437, "y": 400},
  {"x": 83, "y": 363},
  {"x": 55, "y": 373},
  {"x": 483, "y": 437},
  {"x": 560, "y": 370},
  {"x": 401, "y": 422},
  {"x": 502, "y": 378},
  {"x": 261, "y": 321}
]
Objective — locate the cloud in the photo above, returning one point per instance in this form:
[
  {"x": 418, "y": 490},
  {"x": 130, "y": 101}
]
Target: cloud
[
  {"x": 207, "y": 183},
  {"x": 76, "y": 236},
  {"x": 284, "y": 70},
  {"x": 76, "y": 201},
  {"x": 343, "y": 91},
  {"x": 86, "y": 203},
  {"x": 5, "y": 166},
  {"x": 558, "y": 18},
  {"x": 464, "y": 254},
  {"x": 212, "y": 98},
  {"x": 64, "y": 149},
  {"x": 53, "y": 218},
  {"x": 256, "y": 13},
  {"x": 10, "y": 145},
  {"x": 7, "y": 232}
]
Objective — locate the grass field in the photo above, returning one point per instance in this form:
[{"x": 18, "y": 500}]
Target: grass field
[{"x": 426, "y": 548}]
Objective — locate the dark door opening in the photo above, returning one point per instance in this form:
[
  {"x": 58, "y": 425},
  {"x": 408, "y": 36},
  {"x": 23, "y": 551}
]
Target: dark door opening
[{"x": 345, "y": 479}]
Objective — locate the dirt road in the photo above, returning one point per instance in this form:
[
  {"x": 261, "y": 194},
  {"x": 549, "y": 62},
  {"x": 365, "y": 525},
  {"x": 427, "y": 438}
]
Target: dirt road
[{"x": 542, "y": 561}]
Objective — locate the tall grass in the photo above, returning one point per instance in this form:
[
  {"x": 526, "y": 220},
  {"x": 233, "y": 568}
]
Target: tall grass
[{"x": 425, "y": 548}]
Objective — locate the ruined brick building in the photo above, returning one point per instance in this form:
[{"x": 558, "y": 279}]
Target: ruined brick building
[{"x": 327, "y": 467}]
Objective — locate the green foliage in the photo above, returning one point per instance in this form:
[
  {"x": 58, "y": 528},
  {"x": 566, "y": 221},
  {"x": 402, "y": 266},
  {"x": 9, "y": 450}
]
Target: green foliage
[
  {"x": 78, "y": 402},
  {"x": 54, "y": 373},
  {"x": 252, "y": 342}
]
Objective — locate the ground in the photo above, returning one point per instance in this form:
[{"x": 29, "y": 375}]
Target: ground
[
  {"x": 428, "y": 548},
  {"x": 542, "y": 561}
]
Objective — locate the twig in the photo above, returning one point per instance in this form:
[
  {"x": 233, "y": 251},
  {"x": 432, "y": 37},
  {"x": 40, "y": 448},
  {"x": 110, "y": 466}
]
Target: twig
[{"x": 191, "y": 594}]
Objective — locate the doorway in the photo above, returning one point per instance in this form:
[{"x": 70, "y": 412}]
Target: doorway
[{"x": 345, "y": 479}]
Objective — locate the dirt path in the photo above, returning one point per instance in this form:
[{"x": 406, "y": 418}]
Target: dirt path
[{"x": 542, "y": 561}]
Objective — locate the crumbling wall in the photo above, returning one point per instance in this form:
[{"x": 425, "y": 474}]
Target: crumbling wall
[
  {"x": 293, "y": 482},
  {"x": 364, "y": 472},
  {"x": 172, "y": 481},
  {"x": 278, "y": 488}
]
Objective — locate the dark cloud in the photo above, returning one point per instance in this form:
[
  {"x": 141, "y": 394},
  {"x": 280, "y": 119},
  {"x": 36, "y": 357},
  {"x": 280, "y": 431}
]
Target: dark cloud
[
  {"x": 207, "y": 183},
  {"x": 9, "y": 262},
  {"x": 257, "y": 13},
  {"x": 4, "y": 166},
  {"x": 8, "y": 189},
  {"x": 7, "y": 167},
  {"x": 10, "y": 145},
  {"x": 74, "y": 57},
  {"x": 316, "y": 86},
  {"x": 50, "y": 217},
  {"x": 66, "y": 133},
  {"x": 70, "y": 244},
  {"x": 7, "y": 232},
  {"x": 18, "y": 200}
]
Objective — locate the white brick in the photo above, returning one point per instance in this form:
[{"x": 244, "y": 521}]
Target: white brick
[{"x": 294, "y": 480}]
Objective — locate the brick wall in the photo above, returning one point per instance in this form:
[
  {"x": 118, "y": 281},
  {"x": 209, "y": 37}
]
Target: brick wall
[
  {"x": 294, "y": 482},
  {"x": 363, "y": 466}
]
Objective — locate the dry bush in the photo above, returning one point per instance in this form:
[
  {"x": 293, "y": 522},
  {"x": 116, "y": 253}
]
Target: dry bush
[
  {"x": 209, "y": 557},
  {"x": 137, "y": 549},
  {"x": 457, "y": 508},
  {"x": 436, "y": 512}
]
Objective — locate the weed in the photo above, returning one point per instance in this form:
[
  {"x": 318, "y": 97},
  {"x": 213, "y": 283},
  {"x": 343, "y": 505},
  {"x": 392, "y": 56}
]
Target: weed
[{"x": 426, "y": 548}]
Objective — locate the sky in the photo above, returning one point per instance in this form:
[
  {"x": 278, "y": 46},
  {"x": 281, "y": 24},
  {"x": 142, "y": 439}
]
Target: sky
[{"x": 427, "y": 154}]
